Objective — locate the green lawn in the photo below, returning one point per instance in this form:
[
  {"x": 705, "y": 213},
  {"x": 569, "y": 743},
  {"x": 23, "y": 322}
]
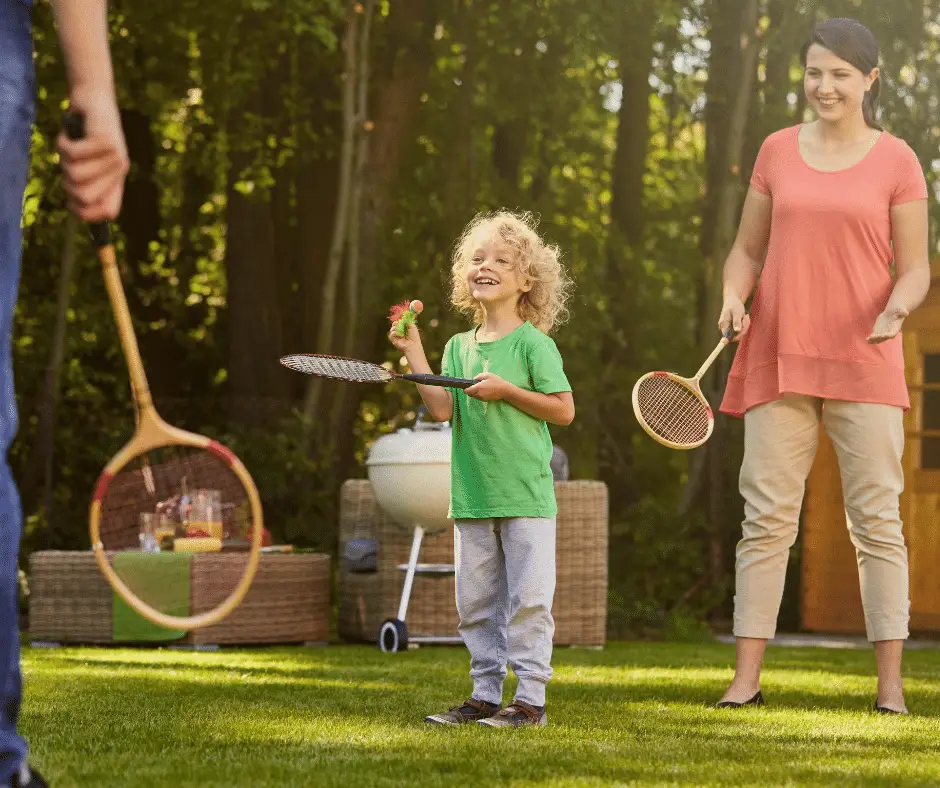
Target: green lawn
[{"x": 633, "y": 714}]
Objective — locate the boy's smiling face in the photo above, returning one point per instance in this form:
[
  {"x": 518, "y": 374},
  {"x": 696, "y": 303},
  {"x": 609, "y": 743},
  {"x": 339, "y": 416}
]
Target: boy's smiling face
[{"x": 493, "y": 274}]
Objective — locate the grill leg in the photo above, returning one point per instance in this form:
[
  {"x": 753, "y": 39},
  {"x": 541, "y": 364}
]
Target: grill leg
[{"x": 410, "y": 575}]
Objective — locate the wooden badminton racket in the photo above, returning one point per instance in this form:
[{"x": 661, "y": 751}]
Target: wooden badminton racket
[
  {"x": 672, "y": 409},
  {"x": 168, "y": 484}
]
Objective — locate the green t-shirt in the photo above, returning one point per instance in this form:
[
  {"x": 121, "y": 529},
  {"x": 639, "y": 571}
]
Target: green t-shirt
[{"x": 500, "y": 456}]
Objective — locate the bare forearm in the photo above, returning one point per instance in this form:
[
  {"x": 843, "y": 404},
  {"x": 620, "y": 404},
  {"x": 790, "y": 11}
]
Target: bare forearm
[
  {"x": 910, "y": 290},
  {"x": 740, "y": 273},
  {"x": 438, "y": 400},
  {"x": 553, "y": 408},
  {"x": 83, "y": 32}
]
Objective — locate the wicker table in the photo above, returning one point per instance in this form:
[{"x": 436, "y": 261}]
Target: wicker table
[
  {"x": 368, "y": 598},
  {"x": 288, "y": 601}
]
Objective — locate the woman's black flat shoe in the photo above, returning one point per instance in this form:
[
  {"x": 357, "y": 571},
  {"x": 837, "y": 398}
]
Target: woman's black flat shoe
[
  {"x": 757, "y": 700},
  {"x": 886, "y": 710}
]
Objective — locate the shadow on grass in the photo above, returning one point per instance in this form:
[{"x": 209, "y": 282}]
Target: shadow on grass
[
  {"x": 354, "y": 717},
  {"x": 693, "y": 675},
  {"x": 272, "y": 736}
]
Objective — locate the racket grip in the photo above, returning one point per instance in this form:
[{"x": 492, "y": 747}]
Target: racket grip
[
  {"x": 74, "y": 124},
  {"x": 438, "y": 380},
  {"x": 729, "y": 333}
]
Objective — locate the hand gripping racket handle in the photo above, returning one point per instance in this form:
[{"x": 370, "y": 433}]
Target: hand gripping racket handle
[
  {"x": 725, "y": 339},
  {"x": 74, "y": 124},
  {"x": 75, "y": 130},
  {"x": 438, "y": 380}
]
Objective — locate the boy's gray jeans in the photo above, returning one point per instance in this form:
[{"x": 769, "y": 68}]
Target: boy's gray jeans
[{"x": 505, "y": 587}]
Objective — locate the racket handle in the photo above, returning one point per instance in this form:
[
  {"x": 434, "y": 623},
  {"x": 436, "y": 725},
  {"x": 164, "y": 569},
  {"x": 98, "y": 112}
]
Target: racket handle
[
  {"x": 74, "y": 123},
  {"x": 722, "y": 344},
  {"x": 439, "y": 380},
  {"x": 729, "y": 333}
]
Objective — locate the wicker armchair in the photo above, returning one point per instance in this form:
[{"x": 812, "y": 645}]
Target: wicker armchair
[{"x": 367, "y": 598}]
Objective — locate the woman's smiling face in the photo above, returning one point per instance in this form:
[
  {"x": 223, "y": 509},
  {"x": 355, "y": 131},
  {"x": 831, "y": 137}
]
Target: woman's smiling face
[{"x": 834, "y": 87}]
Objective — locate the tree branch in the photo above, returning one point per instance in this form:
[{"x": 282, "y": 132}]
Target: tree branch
[{"x": 335, "y": 259}]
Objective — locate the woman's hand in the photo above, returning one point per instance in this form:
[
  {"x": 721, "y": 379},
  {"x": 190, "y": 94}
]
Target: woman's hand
[
  {"x": 887, "y": 325},
  {"x": 733, "y": 315},
  {"x": 490, "y": 388}
]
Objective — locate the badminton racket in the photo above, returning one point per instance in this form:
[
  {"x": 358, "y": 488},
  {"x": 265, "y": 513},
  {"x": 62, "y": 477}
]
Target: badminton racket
[
  {"x": 353, "y": 371},
  {"x": 672, "y": 409},
  {"x": 171, "y": 489}
]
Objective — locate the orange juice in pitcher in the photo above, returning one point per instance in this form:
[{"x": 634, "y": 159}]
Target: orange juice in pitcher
[{"x": 206, "y": 514}]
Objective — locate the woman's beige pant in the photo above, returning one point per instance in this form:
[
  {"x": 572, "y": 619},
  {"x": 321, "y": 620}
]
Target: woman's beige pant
[{"x": 780, "y": 440}]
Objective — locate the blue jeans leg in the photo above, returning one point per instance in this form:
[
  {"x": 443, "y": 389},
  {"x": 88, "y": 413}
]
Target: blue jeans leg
[{"x": 16, "y": 117}]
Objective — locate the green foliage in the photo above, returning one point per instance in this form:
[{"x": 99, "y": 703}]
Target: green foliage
[
  {"x": 659, "y": 559},
  {"x": 295, "y": 488},
  {"x": 518, "y": 108}
]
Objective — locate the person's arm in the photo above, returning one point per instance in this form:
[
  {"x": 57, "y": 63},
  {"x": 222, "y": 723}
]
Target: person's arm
[
  {"x": 95, "y": 167},
  {"x": 912, "y": 262},
  {"x": 553, "y": 408},
  {"x": 82, "y": 26},
  {"x": 745, "y": 260},
  {"x": 439, "y": 402}
]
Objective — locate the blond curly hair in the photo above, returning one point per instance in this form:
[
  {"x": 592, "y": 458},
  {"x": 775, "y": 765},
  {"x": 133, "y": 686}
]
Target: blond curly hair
[{"x": 545, "y": 304}]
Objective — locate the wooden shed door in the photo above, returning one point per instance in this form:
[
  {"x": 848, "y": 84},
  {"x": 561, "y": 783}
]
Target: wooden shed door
[
  {"x": 831, "y": 601},
  {"x": 921, "y": 501}
]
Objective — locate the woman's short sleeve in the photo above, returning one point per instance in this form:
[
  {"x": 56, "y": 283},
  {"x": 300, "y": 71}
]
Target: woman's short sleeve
[
  {"x": 911, "y": 183},
  {"x": 760, "y": 177}
]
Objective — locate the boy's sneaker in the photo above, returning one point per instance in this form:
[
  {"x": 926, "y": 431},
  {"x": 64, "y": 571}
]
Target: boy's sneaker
[
  {"x": 28, "y": 778},
  {"x": 471, "y": 710},
  {"x": 516, "y": 714}
]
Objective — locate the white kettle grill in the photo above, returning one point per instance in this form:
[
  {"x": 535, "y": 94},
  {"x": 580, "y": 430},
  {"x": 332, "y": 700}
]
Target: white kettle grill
[{"x": 409, "y": 471}]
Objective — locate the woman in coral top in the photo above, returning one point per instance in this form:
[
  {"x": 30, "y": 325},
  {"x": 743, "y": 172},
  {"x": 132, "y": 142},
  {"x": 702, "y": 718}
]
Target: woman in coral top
[{"x": 833, "y": 205}]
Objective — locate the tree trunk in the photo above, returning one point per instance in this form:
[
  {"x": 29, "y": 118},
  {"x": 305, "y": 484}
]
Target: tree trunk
[
  {"x": 625, "y": 239},
  {"x": 671, "y": 47},
  {"x": 316, "y": 203},
  {"x": 253, "y": 315},
  {"x": 329, "y": 296},
  {"x": 363, "y": 125},
  {"x": 729, "y": 197},
  {"x": 198, "y": 187},
  {"x": 783, "y": 38},
  {"x": 44, "y": 447},
  {"x": 725, "y": 61},
  {"x": 317, "y": 188},
  {"x": 723, "y": 64},
  {"x": 140, "y": 222},
  {"x": 402, "y": 69},
  {"x": 286, "y": 232},
  {"x": 465, "y": 164},
  {"x": 509, "y": 144}
]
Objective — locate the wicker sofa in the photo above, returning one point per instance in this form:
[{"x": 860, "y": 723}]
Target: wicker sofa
[
  {"x": 367, "y": 598},
  {"x": 288, "y": 601}
]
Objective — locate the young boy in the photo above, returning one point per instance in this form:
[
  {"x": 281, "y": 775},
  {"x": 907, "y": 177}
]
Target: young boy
[{"x": 502, "y": 492}]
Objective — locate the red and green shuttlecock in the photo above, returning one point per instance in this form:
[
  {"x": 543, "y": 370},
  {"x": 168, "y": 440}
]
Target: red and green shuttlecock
[{"x": 403, "y": 315}]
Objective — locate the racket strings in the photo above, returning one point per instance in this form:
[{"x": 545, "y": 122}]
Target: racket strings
[
  {"x": 164, "y": 505},
  {"x": 162, "y": 482},
  {"x": 337, "y": 368},
  {"x": 672, "y": 410}
]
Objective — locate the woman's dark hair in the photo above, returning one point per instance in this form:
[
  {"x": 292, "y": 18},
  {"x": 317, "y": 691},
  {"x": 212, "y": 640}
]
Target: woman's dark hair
[{"x": 850, "y": 40}]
